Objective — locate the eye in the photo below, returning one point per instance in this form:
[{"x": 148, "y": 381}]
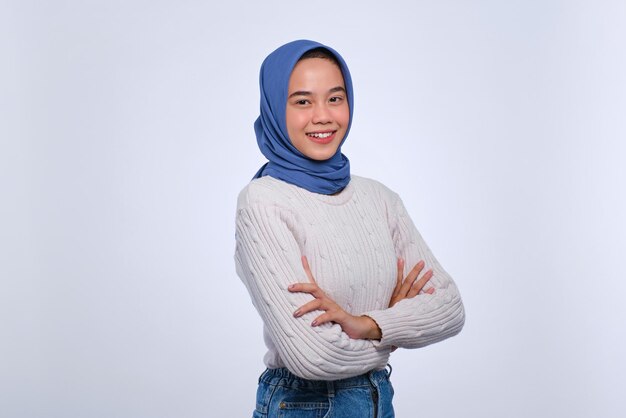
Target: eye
[
  {"x": 335, "y": 99},
  {"x": 302, "y": 102}
]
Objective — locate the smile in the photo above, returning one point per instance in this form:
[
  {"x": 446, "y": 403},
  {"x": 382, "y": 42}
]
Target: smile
[{"x": 321, "y": 137}]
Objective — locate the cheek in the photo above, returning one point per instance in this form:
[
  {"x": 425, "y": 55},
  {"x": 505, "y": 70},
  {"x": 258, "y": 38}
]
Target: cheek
[
  {"x": 295, "y": 121},
  {"x": 343, "y": 116}
]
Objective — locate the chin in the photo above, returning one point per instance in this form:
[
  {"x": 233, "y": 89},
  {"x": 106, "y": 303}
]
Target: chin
[{"x": 321, "y": 155}]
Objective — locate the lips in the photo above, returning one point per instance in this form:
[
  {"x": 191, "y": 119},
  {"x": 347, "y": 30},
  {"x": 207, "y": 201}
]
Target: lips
[{"x": 321, "y": 137}]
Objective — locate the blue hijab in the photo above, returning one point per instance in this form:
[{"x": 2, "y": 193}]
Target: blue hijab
[{"x": 285, "y": 161}]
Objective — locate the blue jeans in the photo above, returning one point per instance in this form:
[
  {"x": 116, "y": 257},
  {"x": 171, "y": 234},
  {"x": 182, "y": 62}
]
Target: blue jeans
[{"x": 285, "y": 395}]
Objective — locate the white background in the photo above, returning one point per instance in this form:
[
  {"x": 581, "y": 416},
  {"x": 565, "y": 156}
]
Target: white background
[{"x": 126, "y": 135}]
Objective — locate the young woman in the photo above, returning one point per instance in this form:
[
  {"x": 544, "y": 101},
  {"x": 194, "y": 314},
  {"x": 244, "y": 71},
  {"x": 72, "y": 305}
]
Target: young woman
[{"x": 323, "y": 252}]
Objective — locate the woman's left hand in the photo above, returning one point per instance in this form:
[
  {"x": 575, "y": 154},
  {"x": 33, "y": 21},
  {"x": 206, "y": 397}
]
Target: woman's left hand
[{"x": 357, "y": 327}]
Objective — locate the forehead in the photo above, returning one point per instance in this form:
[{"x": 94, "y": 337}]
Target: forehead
[{"x": 315, "y": 73}]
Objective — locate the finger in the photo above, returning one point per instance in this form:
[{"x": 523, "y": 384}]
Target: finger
[
  {"x": 307, "y": 269},
  {"x": 314, "y": 305},
  {"x": 419, "y": 285},
  {"x": 430, "y": 290},
  {"x": 328, "y": 316},
  {"x": 311, "y": 288},
  {"x": 410, "y": 278}
]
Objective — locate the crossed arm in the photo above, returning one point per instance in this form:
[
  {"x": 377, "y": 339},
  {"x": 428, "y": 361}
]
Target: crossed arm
[
  {"x": 358, "y": 326},
  {"x": 425, "y": 306}
]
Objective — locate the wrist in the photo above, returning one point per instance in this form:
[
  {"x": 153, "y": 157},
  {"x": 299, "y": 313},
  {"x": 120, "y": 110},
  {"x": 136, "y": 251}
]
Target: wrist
[{"x": 372, "y": 330}]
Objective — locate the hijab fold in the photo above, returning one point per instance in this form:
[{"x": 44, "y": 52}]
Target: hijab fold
[{"x": 285, "y": 161}]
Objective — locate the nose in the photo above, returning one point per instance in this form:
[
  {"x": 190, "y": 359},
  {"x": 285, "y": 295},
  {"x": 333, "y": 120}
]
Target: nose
[{"x": 321, "y": 114}]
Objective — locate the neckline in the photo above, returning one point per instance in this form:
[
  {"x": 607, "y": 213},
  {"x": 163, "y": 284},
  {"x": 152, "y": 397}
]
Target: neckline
[
  {"x": 340, "y": 198},
  {"x": 335, "y": 199}
]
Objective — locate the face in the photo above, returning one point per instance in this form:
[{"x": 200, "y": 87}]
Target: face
[{"x": 317, "y": 108}]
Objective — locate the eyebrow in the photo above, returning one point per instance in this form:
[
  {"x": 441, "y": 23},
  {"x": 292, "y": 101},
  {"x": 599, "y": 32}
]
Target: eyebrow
[{"x": 308, "y": 93}]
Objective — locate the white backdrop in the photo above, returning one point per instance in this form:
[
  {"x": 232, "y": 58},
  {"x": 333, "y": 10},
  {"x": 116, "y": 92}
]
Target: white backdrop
[{"x": 126, "y": 135}]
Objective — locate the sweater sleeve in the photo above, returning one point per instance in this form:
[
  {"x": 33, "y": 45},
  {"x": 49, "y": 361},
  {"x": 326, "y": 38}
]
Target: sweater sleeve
[
  {"x": 268, "y": 260},
  {"x": 426, "y": 318}
]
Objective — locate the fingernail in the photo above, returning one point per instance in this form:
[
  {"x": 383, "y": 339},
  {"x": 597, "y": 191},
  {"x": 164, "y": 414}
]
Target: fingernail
[
  {"x": 291, "y": 286},
  {"x": 314, "y": 323},
  {"x": 296, "y": 313}
]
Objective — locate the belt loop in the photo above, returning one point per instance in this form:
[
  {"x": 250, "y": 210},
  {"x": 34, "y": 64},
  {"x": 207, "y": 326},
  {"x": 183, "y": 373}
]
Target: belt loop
[
  {"x": 330, "y": 386},
  {"x": 390, "y": 370}
]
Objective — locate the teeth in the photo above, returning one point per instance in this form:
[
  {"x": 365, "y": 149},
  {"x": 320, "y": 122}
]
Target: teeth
[{"x": 320, "y": 135}]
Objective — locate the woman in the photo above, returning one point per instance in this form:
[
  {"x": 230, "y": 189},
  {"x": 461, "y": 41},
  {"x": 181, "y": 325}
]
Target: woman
[{"x": 323, "y": 253}]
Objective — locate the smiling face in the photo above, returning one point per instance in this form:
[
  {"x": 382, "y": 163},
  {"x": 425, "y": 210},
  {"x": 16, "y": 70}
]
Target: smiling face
[{"x": 317, "y": 112}]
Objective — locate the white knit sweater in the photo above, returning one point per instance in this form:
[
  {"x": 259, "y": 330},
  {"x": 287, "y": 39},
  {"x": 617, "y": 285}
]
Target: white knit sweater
[{"x": 352, "y": 241}]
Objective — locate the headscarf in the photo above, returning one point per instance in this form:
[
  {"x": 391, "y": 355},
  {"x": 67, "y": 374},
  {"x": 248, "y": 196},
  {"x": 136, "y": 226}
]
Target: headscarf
[{"x": 285, "y": 161}]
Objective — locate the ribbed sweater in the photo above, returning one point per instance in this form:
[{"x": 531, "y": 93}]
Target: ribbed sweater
[{"x": 352, "y": 241}]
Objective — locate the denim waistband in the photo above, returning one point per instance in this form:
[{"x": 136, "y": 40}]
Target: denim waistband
[{"x": 283, "y": 377}]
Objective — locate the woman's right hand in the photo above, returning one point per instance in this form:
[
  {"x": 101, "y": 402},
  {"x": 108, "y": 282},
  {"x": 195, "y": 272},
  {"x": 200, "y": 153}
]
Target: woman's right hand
[
  {"x": 357, "y": 327},
  {"x": 410, "y": 286}
]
